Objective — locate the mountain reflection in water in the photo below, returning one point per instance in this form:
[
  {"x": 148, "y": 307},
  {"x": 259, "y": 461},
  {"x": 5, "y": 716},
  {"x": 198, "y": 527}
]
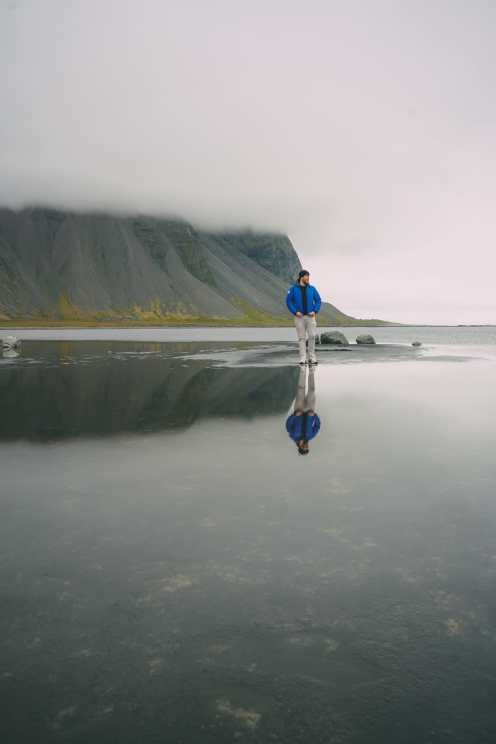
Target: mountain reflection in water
[{"x": 68, "y": 397}]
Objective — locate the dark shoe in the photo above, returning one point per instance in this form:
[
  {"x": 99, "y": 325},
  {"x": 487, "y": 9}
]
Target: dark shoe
[
  {"x": 313, "y": 363},
  {"x": 302, "y": 364}
]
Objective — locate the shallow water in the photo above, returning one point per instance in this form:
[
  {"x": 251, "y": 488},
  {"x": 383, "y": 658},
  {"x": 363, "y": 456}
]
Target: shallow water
[{"x": 172, "y": 570}]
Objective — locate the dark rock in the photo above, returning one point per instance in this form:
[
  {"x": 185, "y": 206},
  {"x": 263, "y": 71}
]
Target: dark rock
[
  {"x": 334, "y": 337},
  {"x": 416, "y": 343},
  {"x": 10, "y": 354},
  {"x": 273, "y": 252},
  {"x": 365, "y": 338},
  {"x": 11, "y": 342}
]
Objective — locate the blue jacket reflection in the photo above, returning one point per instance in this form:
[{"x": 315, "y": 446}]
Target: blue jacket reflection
[{"x": 305, "y": 426}]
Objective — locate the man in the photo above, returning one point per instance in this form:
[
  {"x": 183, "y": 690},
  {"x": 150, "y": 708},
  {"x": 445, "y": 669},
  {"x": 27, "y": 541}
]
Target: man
[
  {"x": 304, "y": 424},
  {"x": 304, "y": 302}
]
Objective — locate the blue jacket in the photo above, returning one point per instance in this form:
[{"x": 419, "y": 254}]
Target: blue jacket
[
  {"x": 294, "y": 426},
  {"x": 294, "y": 299}
]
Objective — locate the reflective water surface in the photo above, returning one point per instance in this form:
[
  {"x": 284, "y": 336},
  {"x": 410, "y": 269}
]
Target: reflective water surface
[
  {"x": 173, "y": 570},
  {"x": 468, "y": 335}
]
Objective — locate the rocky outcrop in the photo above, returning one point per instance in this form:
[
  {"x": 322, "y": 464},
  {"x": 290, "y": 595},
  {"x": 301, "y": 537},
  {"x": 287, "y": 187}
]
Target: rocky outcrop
[
  {"x": 10, "y": 343},
  {"x": 273, "y": 252},
  {"x": 334, "y": 337},
  {"x": 365, "y": 338}
]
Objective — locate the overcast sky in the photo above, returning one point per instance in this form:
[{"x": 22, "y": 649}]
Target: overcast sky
[{"x": 365, "y": 130}]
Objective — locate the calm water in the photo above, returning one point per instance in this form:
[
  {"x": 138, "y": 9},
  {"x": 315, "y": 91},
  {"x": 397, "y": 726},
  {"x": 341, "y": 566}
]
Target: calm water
[
  {"x": 393, "y": 334},
  {"x": 172, "y": 570}
]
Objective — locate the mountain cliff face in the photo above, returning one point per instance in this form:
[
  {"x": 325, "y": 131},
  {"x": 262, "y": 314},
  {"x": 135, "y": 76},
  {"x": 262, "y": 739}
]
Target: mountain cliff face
[{"x": 70, "y": 266}]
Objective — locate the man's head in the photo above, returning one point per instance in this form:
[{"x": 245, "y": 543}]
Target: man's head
[
  {"x": 303, "y": 277},
  {"x": 303, "y": 447}
]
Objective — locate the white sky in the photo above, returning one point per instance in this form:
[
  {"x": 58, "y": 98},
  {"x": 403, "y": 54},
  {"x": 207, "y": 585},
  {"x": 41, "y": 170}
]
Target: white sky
[{"x": 365, "y": 130}]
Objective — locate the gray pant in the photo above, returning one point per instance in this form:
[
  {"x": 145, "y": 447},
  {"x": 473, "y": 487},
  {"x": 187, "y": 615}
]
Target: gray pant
[
  {"x": 305, "y": 397},
  {"x": 306, "y": 325}
]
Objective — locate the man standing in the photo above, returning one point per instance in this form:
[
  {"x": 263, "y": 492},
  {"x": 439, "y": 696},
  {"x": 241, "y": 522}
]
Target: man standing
[{"x": 304, "y": 302}]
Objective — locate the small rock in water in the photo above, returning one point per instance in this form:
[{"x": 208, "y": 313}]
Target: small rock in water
[
  {"x": 416, "y": 343},
  {"x": 365, "y": 338},
  {"x": 334, "y": 337},
  {"x": 11, "y": 342}
]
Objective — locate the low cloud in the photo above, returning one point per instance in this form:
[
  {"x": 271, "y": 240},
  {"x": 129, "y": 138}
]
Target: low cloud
[{"x": 364, "y": 132}]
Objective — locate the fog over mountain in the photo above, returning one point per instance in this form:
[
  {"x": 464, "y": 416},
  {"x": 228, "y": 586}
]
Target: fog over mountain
[{"x": 363, "y": 131}]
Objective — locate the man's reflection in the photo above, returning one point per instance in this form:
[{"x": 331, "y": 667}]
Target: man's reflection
[{"x": 304, "y": 424}]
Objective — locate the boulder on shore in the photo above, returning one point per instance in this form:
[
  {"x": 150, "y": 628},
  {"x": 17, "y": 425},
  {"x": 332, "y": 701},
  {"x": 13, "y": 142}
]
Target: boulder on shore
[
  {"x": 416, "y": 343},
  {"x": 365, "y": 338},
  {"x": 334, "y": 337},
  {"x": 11, "y": 342}
]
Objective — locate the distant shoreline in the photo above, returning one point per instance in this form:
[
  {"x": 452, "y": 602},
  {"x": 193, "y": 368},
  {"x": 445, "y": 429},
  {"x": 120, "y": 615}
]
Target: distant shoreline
[
  {"x": 175, "y": 323},
  {"x": 64, "y": 325}
]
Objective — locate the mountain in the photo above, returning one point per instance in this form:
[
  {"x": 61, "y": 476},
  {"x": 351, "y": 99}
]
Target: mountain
[{"x": 68, "y": 266}]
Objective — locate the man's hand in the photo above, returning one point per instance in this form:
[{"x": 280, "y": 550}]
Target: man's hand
[
  {"x": 299, "y": 315},
  {"x": 312, "y": 315}
]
